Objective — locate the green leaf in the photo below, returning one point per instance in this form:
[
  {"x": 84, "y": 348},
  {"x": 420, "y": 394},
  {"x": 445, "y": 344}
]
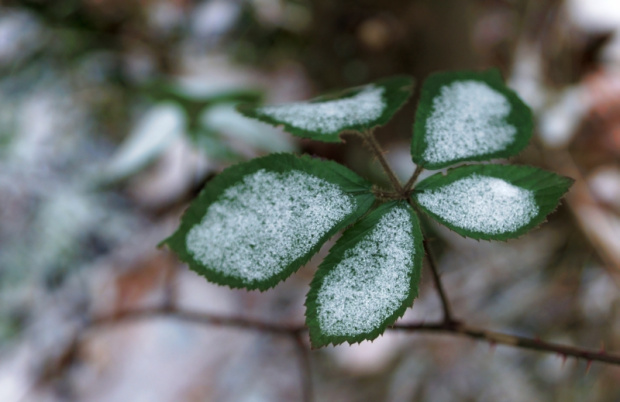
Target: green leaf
[
  {"x": 164, "y": 91},
  {"x": 225, "y": 120},
  {"x": 468, "y": 116},
  {"x": 491, "y": 202},
  {"x": 258, "y": 222},
  {"x": 160, "y": 126},
  {"x": 369, "y": 278},
  {"x": 194, "y": 104},
  {"x": 352, "y": 110}
]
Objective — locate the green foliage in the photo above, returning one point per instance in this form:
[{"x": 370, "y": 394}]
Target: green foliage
[
  {"x": 257, "y": 222},
  {"x": 523, "y": 192},
  {"x": 210, "y": 121},
  {"x": 353, "y": 110},
  {"x": 468, "y": 116},
  {"x": 194, "y": 105},
  {"x": 355, "y": 283},
  {"x": 228, "y": 191}
]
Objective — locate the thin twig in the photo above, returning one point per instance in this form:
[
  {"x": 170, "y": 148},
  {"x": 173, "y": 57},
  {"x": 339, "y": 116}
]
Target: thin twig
[
  {"x": 500, "y": 338},
  {"x": 196, "y": 318},
  {"x": 170, "y": 287},
  {"x": 413, "y": 178},
  {"x": 448, "y": 318},
  {"x": 376, "y": 149},
  {"x": 448, "y": 327},
  {"x": 305, "y": 367}
]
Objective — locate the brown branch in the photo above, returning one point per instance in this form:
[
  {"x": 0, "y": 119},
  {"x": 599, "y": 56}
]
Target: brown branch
[
  {"x": 196, "y": 317},
  {"x": 376, "y": 149},
  {"x": 448, "y": 327},
  {"x": 500, "y": 338},
  {"x": 448, "y": 318}
]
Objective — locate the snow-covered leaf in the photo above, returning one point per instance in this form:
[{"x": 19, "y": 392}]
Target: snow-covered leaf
[
  {"x": 224, "y": 119},
  {"x": 492, "y": 202},
  {"x": 258, "y": 222},
  {"x": 194, "y": 101},
  {"x": 192, "y": 95},
  {"x": 468, "y": 116},
  {"x": 368, "y": 279},
  {"x": 325, "y": 118},
  {"x": 153, "y": 133}
]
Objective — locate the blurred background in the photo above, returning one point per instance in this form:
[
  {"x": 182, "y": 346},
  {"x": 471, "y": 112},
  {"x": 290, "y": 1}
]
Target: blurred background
[{"x": 115, "y": 113}]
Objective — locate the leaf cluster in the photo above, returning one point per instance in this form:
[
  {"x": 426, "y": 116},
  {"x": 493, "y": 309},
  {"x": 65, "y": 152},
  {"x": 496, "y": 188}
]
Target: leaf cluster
[{"x": 372, "y": 273}]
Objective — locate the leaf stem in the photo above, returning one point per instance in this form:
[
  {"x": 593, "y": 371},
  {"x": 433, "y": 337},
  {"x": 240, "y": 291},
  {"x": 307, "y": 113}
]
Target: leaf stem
[
  {"x": 414, "y": 177},
  {"x": 375, "y": 147},
  {"x": 448, "y": 318}
]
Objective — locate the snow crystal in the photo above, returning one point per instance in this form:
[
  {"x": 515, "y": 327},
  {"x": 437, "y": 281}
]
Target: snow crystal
[
  {"x": 259, "y": 226},
  {"x": 331, "y": 116},
  {"x": 482, "y": 204},
  {"x": 467, "y": 119},
  {"x": 372, "y": 280}
]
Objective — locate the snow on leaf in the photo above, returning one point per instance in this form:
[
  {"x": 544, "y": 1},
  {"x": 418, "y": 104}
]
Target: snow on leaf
[
  {"x": 468, "y": 116},
  {"x": 369, "y": 278},
  {"x": 258, "y": 227},
  {"x": 491, "y": 201},
  {"x": 467, "y": 120},
  {"x": 326, "y": 117},
  {"x": 227, "y": 121},
  {"x": 482, "y": 204},
  {"x": 330, "y": 116},
  {"x": 257, "y": 222}
]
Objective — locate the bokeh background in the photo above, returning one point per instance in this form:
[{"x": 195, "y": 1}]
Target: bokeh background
[{"x": 115, "y": 113}]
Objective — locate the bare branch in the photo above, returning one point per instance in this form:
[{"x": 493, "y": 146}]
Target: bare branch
[
  {"x": 513, "y": 340},
  {"x": 448, "y": 327},
  {"x": 196, "y": 318}
]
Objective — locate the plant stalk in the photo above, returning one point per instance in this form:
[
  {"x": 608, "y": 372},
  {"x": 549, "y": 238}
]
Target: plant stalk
[{"x": 376, "y": 149}]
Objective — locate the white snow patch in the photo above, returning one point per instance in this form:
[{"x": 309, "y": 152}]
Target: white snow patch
[
  {"x": 157, "y": 130},
  {"x": 226, "y": 120},
  {"x": 372, "y": 280},
  {"x": 331, "y": 116},
  {"x": 482, "y": 204},
  {"x": 467, "y": 120},
  {"x": 258, "y": 227}
]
